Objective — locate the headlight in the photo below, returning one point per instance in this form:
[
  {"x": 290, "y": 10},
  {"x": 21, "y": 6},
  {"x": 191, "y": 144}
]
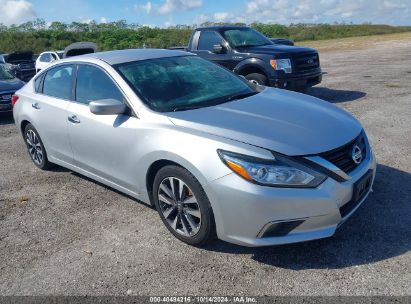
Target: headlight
[
  {"x": 277, "y": 172},
  {"x": 281, "y": 64}
]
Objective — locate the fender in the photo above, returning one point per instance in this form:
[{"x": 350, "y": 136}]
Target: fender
[{"x": 253, "y": 63}]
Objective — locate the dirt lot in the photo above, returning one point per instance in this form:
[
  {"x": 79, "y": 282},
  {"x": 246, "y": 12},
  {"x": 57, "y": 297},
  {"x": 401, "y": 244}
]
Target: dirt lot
[{"x": 61, "y": 233}]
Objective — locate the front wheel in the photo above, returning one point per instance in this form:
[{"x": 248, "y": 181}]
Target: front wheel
[
  {"x": 183, "y": 206},
  {"x": 35, "y": 147}
]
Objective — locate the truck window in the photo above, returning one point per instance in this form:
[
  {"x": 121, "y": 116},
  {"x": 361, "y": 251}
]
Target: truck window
[{"x": 207, "y": 40}]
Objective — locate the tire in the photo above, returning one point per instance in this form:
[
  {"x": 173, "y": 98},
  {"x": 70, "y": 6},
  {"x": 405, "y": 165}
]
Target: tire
[
  {"x": 257, "y": 78},
  {"x": 36, "y": 148},
  {"x": 191, "y": 222}
]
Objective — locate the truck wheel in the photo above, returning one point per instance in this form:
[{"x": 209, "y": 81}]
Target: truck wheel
[{"x": 257, "y": 78}]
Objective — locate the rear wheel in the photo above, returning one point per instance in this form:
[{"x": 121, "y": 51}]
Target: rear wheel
[
  {"x": 257, "y": 78},
  {"x": 35, "y": 147},
  {"x": 183, "y": 206}
]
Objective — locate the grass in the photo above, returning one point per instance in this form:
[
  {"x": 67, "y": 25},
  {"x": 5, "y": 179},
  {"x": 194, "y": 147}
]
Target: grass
[{"x": 353, "y": 43}]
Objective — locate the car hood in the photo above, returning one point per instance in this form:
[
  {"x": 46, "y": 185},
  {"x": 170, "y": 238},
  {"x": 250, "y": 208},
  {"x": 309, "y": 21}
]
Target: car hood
[
  {"x": 79, "y": 48},
  {"x": 277, "y": 49},
  {"x": 278, "y": 120},
  {"x": 11, "y": 85},
  {"x": 20, "y": 56}
]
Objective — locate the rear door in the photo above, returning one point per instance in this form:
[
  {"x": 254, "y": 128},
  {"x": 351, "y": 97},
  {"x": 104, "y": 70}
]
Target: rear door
[
  {"x": 102, "y": 144},
  {"x": 53, "y": 91},
  {"x": 205, "y": 45}
]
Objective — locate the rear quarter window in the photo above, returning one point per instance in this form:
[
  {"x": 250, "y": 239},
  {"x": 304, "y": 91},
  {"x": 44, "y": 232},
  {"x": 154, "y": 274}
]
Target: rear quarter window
[{"x": 38, "y": 84}]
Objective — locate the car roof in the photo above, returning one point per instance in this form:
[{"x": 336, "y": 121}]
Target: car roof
[
  {"x": 123, "y": 56},
  {"x": 221, "y": 27}
]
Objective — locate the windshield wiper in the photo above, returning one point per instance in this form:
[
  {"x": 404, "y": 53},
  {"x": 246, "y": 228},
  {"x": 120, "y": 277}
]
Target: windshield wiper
[
  {"x": 229, "y": 98},
  {"x": 177, "y": 109},
  {"x": 241, "y": 96}
]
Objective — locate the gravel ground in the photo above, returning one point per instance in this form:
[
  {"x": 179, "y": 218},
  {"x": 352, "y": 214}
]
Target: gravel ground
[{"x": 63, "y": 234}]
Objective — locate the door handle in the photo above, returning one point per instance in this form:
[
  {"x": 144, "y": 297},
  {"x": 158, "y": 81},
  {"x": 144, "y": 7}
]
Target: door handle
[
  {"x": 73, "y": 118},
  {"x": 35, "y": 105}
]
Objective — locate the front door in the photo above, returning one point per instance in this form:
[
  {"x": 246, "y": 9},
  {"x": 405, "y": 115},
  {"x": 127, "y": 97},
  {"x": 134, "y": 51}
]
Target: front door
[
  {"x": 205, "y": 47},
  {"x": 102, "y": 144}
]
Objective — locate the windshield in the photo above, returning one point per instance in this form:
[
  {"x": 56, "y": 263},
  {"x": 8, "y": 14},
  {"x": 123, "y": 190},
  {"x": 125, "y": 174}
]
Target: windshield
[
  {"x": 243, "y": 37},
  {"x": 182, "y": 83},
  {"x": 5, "y": 75}
]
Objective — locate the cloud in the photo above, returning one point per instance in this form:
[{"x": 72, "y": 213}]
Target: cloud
[
  {"x": 16, "y": 11},
  {"x": 170, "y": 6},
  {"x": 147, "y": 7},
  {"x": 327, "y": 11},
  {"x": 222, "y": 16}
]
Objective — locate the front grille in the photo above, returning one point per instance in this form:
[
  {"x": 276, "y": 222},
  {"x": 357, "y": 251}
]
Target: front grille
[
  {"x": 342, "y": 157},
  {"x": 26, "y": 66},
  {"x": 306, "y": 63}
]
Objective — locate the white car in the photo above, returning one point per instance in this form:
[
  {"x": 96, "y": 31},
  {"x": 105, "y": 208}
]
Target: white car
[{"x": 46, "y": 58}]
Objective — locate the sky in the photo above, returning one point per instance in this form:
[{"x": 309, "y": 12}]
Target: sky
[{"x": 163, "y": 13}]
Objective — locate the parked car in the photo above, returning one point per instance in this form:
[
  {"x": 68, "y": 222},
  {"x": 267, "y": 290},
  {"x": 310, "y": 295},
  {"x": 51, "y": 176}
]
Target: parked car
[
  {"x": 46, "y": 58},
  {"x": 211, "y": 151},
  {"x": 251, "y": 54},
  {"x": 8, "y": 86},
  {"x": 283, "y": 41},
  {"x": 20, "y": 64}
]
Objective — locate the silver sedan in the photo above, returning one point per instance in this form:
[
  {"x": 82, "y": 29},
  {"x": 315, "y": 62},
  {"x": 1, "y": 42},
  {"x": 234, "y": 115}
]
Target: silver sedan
[{"x": 217, "y": 156}]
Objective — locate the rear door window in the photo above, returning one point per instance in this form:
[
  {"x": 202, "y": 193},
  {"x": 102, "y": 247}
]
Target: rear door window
[
  {"x": 58, "y": 82},
  {"x": 94, "y": 84}
]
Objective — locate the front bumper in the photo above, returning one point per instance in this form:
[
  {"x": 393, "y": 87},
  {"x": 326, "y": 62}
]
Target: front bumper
[
  {"x": 296, "y": 82},
  {"x": 246, "y": 211}
]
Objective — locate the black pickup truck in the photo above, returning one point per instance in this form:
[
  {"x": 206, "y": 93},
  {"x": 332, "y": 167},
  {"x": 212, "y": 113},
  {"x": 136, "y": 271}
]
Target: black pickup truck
[{"x": 251, "y": 54}]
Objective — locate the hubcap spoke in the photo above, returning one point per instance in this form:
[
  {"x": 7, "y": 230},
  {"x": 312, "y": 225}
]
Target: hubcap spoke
[
  {"x": 190, "y": 200},
  {"x": 186, "y": 232},
  {"x": 181, "y": 193},
  {"x": 169, "y": 211},
  {"x": 166, "y": 200},
  {"x": 192, "y": 224},
  {"x": 193, "y": 212},
  {"x": 174, "y": 223},
  {"x": 166, "y": 190},
  {"x": 171, "y": 181}
]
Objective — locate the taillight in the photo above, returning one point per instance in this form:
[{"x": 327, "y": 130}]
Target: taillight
[{"x": 14, "y": 99}]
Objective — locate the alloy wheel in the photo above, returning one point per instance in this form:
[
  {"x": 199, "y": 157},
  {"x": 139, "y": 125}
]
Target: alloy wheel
[
  {"x": 179, "y": 206},
  {"x": 34, "y": 147}
]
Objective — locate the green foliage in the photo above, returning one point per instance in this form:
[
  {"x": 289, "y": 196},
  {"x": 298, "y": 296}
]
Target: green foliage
[{"x": 38, "y": 37}]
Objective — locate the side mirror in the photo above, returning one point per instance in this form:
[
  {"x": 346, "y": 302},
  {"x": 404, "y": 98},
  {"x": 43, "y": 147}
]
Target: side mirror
[
  {"x": 219, "y": 49},
  {"x": 107, "y": 107}
]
